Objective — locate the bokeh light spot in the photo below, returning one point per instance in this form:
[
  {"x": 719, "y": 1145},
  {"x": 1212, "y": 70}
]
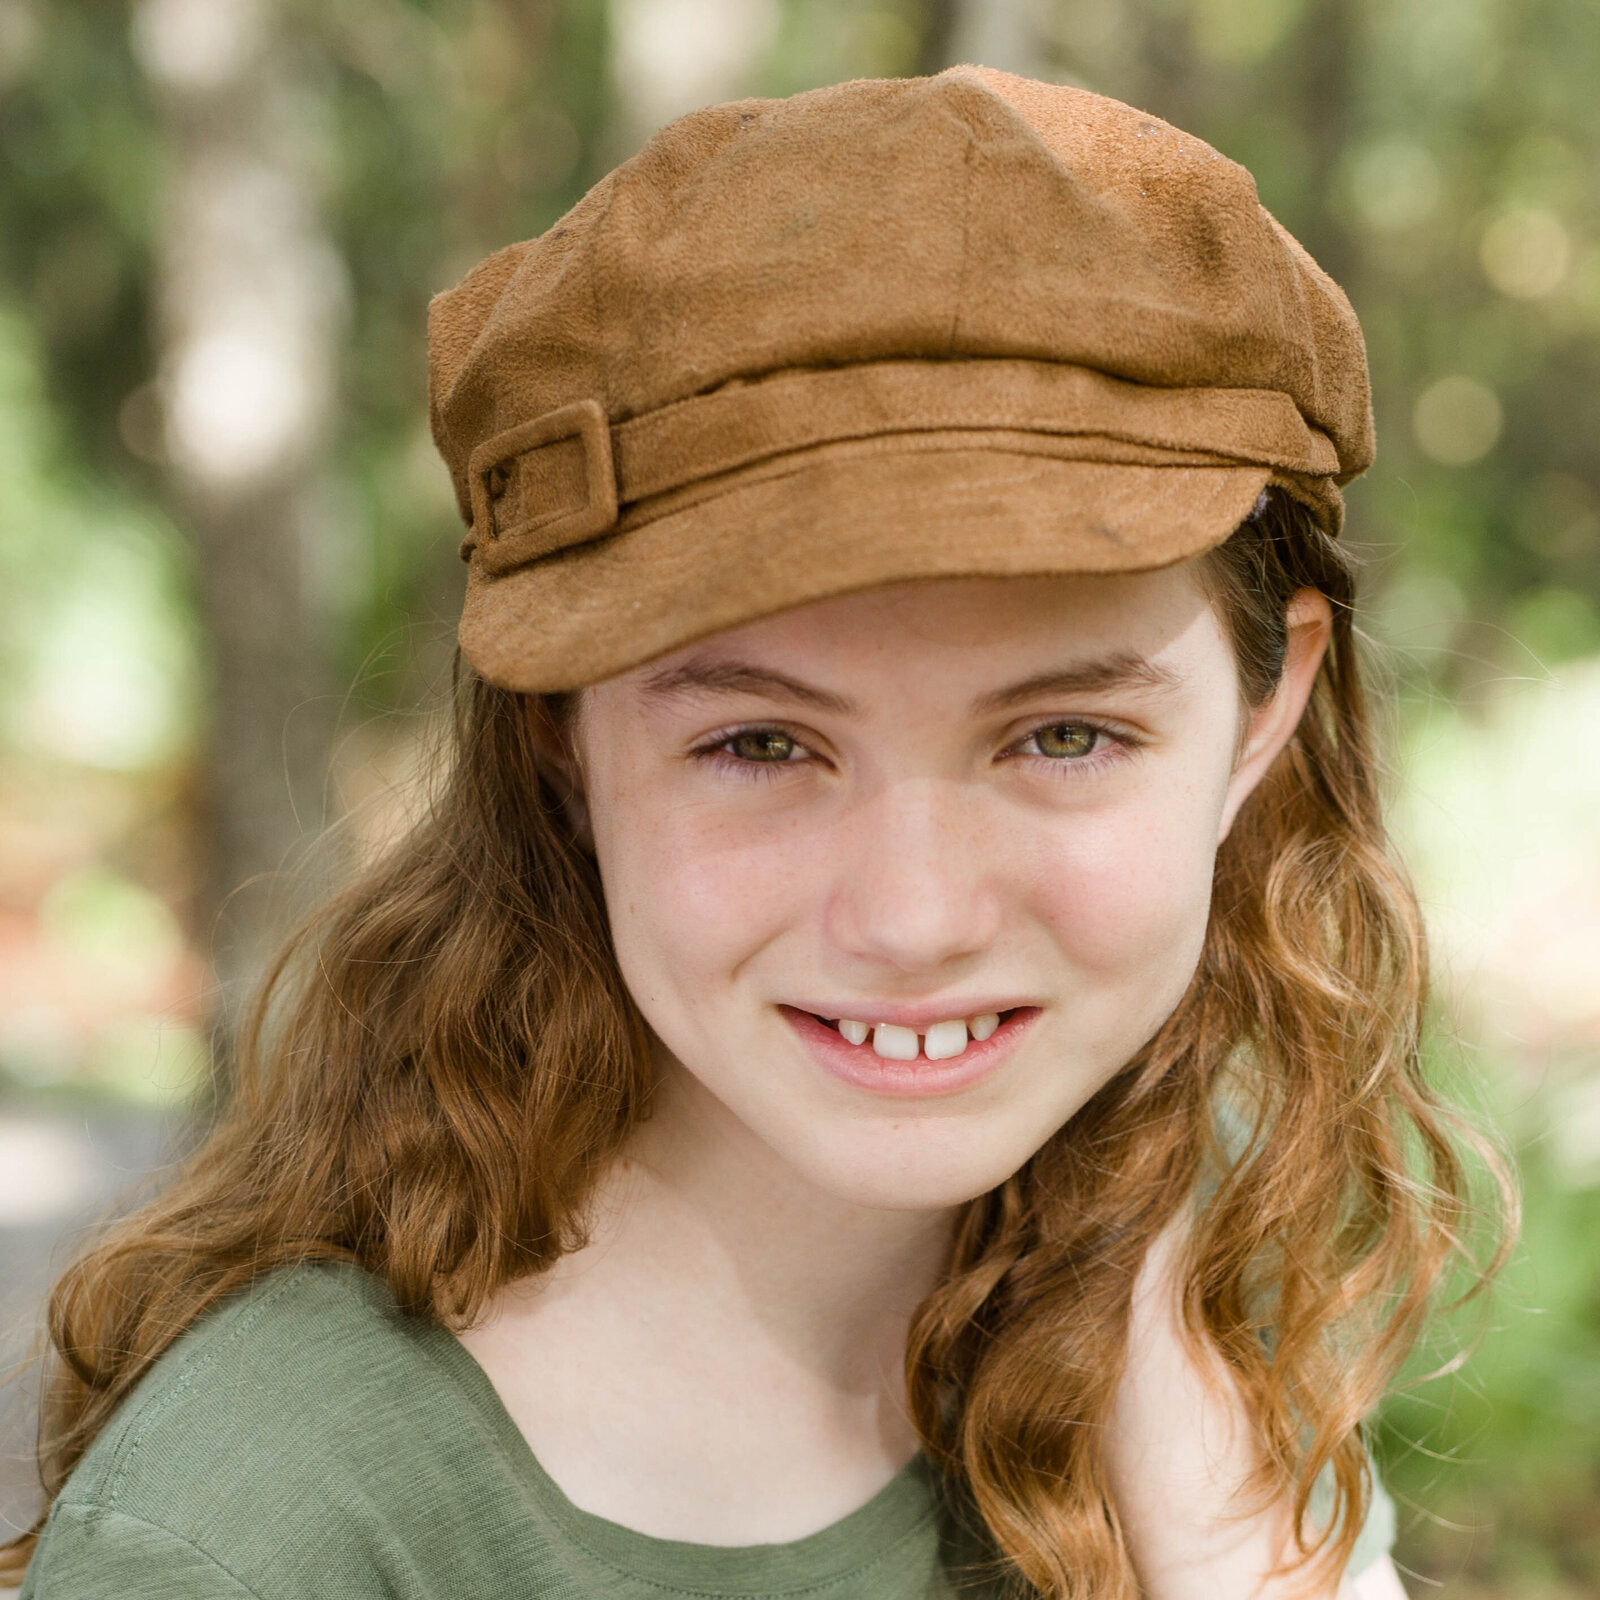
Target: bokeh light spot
[
  {"x": 239, "y": 402},
  {"x": 1526, "y": 254},
  {"x": 45, "y": 1172},
  {"x": 108, "y": 681},
  {"x": 1457, "y": 420},
  {"x": 196, "y": 44},
  {"x": 1394, "y": 184},
  {"x": 673, "y": 56}
]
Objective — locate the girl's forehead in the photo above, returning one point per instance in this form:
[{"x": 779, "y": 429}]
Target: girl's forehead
[{"x": 919, "y": 636}]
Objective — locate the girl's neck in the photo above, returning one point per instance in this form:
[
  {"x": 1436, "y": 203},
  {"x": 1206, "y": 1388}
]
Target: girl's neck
[
  {"x": 824, "y": 1278},
  {"x": 723, "y": 1361}
]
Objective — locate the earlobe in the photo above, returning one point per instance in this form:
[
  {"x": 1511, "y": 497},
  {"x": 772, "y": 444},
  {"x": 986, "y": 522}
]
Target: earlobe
[{"x": 1309, "y": 624}]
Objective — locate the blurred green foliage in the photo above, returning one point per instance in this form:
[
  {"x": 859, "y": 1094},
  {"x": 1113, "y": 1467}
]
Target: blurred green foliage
[
  {"x": 1495, "y": 1467},
  {"x": 1440, "y": 157}
]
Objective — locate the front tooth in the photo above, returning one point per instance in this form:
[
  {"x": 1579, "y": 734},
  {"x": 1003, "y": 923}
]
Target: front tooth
[
  {"x": 945, "y": 1039},
  {"x": 855, "y": 1032},
  {"x": 983, "y": 1026},
  {"x": 894, "y": 1043}
]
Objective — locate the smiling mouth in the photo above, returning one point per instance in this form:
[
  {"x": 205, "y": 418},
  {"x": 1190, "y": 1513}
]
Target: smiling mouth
[{"x": 939, "y": 1041}]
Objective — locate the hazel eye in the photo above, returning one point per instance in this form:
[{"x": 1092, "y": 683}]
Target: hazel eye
[
  {"x": 762, "y": 744},
  {"x": 1066, "y": 741}
]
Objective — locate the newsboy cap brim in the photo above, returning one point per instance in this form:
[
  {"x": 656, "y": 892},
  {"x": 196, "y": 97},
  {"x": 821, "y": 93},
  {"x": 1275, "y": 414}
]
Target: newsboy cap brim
[{"x": 847, "y": 517}]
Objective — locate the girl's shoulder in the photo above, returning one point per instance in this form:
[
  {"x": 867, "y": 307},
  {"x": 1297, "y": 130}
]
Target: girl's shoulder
[
  {"x": 303, "y": 1430},
  {"x": 285, "y": 1368}
]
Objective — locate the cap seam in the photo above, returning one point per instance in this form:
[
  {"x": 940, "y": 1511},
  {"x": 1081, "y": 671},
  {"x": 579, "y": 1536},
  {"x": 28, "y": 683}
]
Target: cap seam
[{"x": 966, "y": 238}]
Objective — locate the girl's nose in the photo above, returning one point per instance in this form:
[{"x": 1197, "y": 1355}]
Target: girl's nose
[{"x": 914, "y": 884}]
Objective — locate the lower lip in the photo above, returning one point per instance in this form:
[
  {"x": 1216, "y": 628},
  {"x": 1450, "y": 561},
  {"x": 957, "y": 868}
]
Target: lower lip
[{"x": 861, "y": 1066}]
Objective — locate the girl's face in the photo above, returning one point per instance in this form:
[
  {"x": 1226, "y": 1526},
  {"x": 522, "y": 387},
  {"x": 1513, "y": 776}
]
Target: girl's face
[{"x": 907, "y": 813}]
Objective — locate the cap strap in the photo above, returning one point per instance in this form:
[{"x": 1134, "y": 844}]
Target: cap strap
[
  {"x": 742, "y": 423},
  {"x": 546, "y": 485}
]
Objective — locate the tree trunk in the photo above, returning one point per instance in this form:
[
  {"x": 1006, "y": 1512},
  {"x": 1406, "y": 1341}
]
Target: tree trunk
[
  {"x": 249, "y": 302},
  {"x": 1326, "y": 47},
  {"x": 1006, "y": 34},
  {"x": 939, "y": 20}
]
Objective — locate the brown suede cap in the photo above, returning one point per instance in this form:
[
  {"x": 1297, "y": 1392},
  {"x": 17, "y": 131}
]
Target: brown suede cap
[{"x": 967, "y": 325}]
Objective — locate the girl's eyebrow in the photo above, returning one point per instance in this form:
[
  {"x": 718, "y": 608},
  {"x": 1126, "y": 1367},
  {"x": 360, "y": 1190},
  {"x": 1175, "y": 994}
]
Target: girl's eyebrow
[
  {"x": 740, "y": 677},
  {"x": 1124, "y": 670}
]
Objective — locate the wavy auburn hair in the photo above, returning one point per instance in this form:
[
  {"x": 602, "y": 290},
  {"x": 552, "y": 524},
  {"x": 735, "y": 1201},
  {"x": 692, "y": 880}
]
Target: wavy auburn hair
[{"x": 444, "y": 1059}]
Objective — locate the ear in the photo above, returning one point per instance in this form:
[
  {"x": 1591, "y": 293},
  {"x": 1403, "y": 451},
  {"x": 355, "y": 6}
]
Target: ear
[
  {"x": 1271, "y": 724},
  {"x": 556, "y": 750}
]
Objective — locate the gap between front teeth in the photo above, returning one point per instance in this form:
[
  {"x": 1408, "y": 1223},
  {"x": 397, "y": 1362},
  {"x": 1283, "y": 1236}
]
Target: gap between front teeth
[{"x": 941, "y": 1042}]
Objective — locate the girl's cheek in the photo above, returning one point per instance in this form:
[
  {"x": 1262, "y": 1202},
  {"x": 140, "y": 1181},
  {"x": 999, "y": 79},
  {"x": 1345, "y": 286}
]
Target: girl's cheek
[
  {"x": 1130, "y": 891},
  {"x": 691, "y": 899}
]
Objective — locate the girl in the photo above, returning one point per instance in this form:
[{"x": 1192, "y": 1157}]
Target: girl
[{"x": 890, "y": 1067}]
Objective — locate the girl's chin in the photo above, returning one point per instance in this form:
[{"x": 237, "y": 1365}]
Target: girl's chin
[{"x": 915, "y": 1167}]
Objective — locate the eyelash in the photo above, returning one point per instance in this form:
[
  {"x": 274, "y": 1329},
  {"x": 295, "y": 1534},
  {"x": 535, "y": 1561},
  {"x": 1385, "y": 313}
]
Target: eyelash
[{"x": 1117, "y": 746}]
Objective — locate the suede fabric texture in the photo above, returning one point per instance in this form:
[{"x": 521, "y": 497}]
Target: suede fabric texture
[{"x": 966, "y": 325}]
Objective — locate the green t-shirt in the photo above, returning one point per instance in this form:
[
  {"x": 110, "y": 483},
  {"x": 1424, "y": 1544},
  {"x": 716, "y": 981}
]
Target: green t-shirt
[{"x": 309, "y": 1440}]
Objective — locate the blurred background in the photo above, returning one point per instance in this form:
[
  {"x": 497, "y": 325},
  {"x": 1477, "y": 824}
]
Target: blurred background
[{"x": 228, "y": 570}]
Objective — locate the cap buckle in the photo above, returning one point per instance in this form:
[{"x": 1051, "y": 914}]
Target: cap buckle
[{"x": 528, "y": 459}]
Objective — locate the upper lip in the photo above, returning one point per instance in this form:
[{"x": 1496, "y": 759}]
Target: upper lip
[{"x": 920, "y": 1017}]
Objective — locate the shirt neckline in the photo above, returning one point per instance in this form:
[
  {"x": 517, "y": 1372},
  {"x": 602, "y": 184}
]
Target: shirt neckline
[{"x": 857, "y": 1541}]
